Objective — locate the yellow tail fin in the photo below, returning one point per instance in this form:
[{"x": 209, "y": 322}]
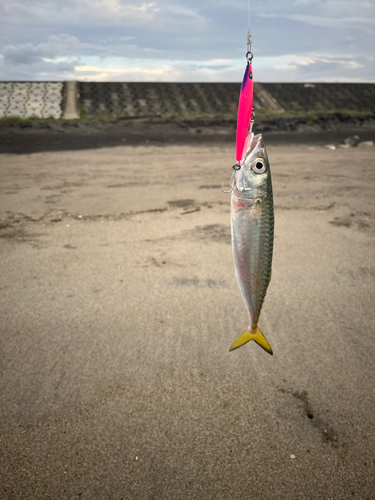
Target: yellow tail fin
[{"x": 246, "y": 336}]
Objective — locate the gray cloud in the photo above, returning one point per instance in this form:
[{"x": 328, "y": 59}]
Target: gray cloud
[{"x": 336, "y": 36}]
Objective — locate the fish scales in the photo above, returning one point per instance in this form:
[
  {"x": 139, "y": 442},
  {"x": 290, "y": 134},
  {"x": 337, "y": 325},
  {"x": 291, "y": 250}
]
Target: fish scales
[{"x": 252, "y": 245}]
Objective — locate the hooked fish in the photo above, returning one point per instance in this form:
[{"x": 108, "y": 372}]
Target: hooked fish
[{"x": 252, "y": 223}]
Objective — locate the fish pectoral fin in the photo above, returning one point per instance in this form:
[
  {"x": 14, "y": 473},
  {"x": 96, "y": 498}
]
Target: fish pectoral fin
[{"x": 257, "y": 336}]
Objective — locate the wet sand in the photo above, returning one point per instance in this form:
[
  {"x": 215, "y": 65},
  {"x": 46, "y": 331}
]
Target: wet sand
[
  {"x": 119, "y": 305},
  {"x": 34, "y": 136}
]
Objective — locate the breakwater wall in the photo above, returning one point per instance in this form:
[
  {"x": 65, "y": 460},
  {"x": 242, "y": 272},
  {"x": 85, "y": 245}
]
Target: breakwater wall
[{"x": 74, "y": 100}]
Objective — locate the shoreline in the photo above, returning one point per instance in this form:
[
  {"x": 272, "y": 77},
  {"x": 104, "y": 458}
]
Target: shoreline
[{"x": 18, "y": 136}]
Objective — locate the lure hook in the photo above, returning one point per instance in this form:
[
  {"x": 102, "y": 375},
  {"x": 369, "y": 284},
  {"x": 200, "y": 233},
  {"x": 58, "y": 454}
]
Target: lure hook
[
  {"x": 223, "y": 190},
  {"x": 233, "y": 183}
]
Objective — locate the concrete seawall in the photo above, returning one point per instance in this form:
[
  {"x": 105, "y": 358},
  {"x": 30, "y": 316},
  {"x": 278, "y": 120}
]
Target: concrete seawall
[{"x": 73, "y": 100}]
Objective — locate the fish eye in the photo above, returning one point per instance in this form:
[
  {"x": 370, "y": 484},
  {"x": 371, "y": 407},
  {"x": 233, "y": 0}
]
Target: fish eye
[{"x": 259, "y": 167}]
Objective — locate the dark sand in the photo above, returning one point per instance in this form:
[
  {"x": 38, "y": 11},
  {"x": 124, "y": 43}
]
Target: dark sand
[
  {"x": 33, "y": 136},
  {"x": 118, "y": 307}
]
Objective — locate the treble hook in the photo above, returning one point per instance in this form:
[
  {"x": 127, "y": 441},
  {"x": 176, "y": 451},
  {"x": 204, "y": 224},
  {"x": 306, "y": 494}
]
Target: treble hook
[
  {"x": 223, "y": 190},
  {"x": 233, "y": 184}
]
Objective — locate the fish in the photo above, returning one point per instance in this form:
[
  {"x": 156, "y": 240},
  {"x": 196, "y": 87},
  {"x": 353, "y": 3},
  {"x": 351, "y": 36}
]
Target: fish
[{"x": 252, "y": 232}]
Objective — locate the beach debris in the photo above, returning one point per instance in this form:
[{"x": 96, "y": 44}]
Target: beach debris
[
  {"x": 366, "y": 144},
  {"x": 293, "y": 457},
  {"x": 197, "y": 209},
  {"x": 329, "y": 146},
  {"x": 344, "y": 221},
  {"x": 352, "y": 141}
]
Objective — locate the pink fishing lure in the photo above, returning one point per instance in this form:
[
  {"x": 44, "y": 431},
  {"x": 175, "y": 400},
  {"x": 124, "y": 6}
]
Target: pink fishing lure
[{"x": 245, "y": 109}]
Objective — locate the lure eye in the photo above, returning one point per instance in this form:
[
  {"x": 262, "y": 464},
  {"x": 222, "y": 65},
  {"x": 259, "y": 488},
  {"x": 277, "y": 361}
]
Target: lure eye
[{"x": 259, "y": 166}]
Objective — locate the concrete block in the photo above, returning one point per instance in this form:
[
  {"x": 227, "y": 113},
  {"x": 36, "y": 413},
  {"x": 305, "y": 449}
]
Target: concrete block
[
  {"x": 52, "y": 87},
  {"x": 71, "y": 102},
  {"x": 55, "y": 115},
  {"x": 32, "y": 114},
  {"x": 6, "y": 85},
  {"x": 5, "y": 92},
  {"x": 37, "y": 107},
  {"x": 37, "y": 92},
  {"x": 18, "y": 98},
  {"x": 21, "y": 86},
  {"x": 53, "y": 99},
  {"x": 16, "y": 106},
  {"x": 52, "y": 106},
  {"x": 33, "y": 103},
  {"x": 15, "y": 112},
  {"x": 20, "y": 92}
]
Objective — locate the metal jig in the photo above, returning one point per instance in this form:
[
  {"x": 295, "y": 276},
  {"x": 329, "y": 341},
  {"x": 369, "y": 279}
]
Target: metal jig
[{"x": 237, "y": 166}]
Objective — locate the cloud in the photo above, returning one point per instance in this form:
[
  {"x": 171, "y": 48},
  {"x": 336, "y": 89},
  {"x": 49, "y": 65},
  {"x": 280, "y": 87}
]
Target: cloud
[
  {"x": 328, "y": 22},
  {"x": 56, "y": 46},
  {"x": 55, "y": 59},
  {"x": 103, "y": 13},
  {"x": 320, "y": 68},
  {"x": 66, "y": 57},
  {"x": 161, "y": 71},
  {"x": 195, "y": 40},
  {"x": 80, "y": 12},
  {"x": 43, "y": 70}
]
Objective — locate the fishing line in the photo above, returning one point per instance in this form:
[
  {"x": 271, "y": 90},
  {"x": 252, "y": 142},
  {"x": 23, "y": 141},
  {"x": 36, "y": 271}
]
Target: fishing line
[{"x": 249, "y": 54}]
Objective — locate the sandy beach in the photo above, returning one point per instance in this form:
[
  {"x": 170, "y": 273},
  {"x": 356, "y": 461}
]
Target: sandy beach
[{"x": 118, "y": 307}]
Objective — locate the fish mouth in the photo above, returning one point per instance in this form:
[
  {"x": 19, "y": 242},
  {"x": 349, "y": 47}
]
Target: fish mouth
[{"x": 253, "y": 142}]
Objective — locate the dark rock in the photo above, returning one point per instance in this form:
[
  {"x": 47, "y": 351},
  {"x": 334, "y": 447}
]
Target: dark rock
[{"x": 352, "y": 141}]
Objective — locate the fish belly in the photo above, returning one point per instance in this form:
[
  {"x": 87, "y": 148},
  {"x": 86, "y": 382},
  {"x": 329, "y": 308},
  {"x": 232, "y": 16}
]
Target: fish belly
[{"x": 252, "y": 225}]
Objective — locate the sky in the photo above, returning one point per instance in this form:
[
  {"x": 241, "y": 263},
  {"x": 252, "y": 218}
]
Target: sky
[{"x": 187, "y": 40}]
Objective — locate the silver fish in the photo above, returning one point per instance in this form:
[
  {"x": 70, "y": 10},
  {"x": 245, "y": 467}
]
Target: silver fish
[{"x": 252, "y": 221}]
